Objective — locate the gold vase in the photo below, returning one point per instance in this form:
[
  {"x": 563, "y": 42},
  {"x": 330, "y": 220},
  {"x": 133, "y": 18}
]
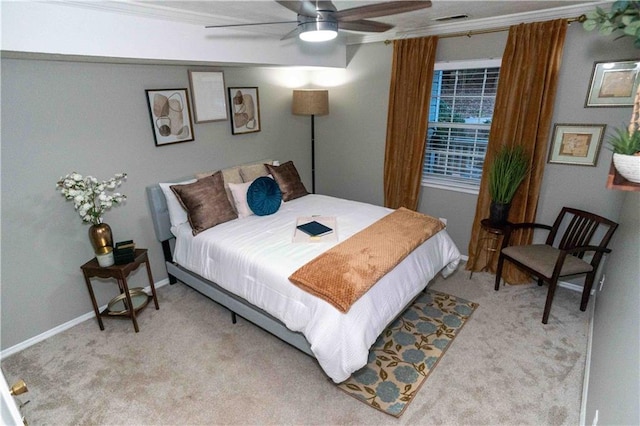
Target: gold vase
[{"x": 101, "y": 238}]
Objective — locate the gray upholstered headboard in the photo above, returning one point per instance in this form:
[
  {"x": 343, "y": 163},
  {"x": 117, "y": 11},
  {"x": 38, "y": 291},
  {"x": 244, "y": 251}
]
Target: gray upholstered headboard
[
  {"x": 160, "y": 211},
  {"x": 158, "y": 204}
]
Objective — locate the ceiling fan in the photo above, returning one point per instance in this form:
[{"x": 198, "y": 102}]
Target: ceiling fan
[{"x": 320, "y": 20}]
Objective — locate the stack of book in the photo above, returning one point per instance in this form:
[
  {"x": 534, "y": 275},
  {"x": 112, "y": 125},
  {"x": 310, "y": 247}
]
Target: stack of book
[{"x": 124, "y": 252}]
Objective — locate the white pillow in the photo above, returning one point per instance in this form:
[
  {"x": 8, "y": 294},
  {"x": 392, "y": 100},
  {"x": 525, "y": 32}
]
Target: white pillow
[
  {"x": 239, "y": 193},
  {"x": 177, "y": 214}
]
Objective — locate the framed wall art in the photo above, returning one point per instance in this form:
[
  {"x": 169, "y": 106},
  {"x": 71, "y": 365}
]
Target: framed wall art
[
  {"x": 208, "y": 96},
  {"x": 244, "y": 106},
  {"x": 170, "y": 116},
  {"x": 613, "y": 84},
  {"x": 576, "y": 144}
]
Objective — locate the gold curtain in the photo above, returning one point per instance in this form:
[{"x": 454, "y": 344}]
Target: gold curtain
[
  {"x": 522, "y": 116},
  {"x": 409, "y": 93}
]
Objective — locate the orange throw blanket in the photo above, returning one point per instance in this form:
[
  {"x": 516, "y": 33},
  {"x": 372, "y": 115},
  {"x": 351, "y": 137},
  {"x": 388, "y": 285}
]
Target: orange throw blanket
[{"x": 342, "y": 274}]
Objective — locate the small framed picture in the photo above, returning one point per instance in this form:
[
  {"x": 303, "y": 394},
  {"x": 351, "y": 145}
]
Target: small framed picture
[
  {"x": 613, "y": 84},
  {"x": 170, "y": 116},
  {"x": 208, "y": 95},
  {"x": 244, "y": 106},
  {"x": 577, "y": 144}
]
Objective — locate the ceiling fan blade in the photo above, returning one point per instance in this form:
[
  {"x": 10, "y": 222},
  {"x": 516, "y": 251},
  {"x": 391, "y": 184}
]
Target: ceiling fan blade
[
  {"x": 291, "y": 34},
  {"x": 249, "y": 25},
  {"x": 304, "y": 7},
  {"x": 325, "y": 5},
  {"x": 364, "y": 25},
  {"x": 380, "y": 9}
]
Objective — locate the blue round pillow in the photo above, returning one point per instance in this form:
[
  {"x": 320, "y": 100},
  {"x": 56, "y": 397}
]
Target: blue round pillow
[{"x": 264, "y": 196}]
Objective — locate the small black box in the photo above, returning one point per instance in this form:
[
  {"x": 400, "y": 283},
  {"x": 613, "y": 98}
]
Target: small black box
[
  {"x": 122, "y": 256},
  {"x": 123, "y": 259}
]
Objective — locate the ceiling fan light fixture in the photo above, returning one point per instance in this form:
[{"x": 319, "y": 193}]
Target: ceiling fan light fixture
[{"x": 318, "y": 31}]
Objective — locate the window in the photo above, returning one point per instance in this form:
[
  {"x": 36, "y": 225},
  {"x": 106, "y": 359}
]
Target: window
[{"x": 460, "y": 113}]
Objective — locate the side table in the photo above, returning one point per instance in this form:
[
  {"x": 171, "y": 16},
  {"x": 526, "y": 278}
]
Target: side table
[
  {"x": 488, "y": 242},
  {"x": 132, "y": 300}
]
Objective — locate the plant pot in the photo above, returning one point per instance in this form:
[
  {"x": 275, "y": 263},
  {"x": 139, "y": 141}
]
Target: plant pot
[
  {"x": 498, "y": 213},
  {"x": 628, "y": 166},
  {"x": 101, "y": 238},
  {"x": 105, "y": 259}
]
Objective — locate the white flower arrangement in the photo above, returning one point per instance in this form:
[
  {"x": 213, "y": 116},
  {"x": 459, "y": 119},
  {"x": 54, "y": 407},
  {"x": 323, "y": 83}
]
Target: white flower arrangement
[{"x": 88, "y": 195}]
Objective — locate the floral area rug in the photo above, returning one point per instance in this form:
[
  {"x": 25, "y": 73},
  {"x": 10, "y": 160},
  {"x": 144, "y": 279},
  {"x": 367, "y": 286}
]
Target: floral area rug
[{"x": 407, "y": 351}]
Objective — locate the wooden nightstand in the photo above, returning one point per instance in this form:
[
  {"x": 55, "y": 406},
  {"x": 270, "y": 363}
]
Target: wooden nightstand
[
  {"x": 488, "y": 242},
  {"x": 119, "y": 307}
]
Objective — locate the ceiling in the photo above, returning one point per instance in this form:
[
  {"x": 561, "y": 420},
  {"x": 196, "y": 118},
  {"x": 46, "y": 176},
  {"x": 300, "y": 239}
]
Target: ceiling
[{"x": 481, "y": 14}]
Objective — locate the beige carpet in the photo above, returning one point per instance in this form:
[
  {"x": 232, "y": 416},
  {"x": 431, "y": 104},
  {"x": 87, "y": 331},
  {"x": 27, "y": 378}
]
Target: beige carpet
[{"x": 190, "y": 365}]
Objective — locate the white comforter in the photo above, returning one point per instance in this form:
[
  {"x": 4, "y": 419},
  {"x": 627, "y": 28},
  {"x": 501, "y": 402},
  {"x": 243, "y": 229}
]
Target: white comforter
[{"x": 254, "y": 256}]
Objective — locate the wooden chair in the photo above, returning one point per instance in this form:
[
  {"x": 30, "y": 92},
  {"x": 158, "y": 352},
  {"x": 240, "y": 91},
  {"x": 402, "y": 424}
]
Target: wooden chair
[{"x": 562, "y": 256}]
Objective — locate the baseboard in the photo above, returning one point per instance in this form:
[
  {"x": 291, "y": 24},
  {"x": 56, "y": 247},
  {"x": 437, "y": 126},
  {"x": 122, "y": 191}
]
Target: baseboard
[
  {"x": 587, "y": 362},
  {"x": 571, "y": 286},
  {"x": 62, "y": 327}
]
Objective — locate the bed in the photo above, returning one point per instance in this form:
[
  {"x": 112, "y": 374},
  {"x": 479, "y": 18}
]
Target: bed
[{"x": 245, "y": 263}]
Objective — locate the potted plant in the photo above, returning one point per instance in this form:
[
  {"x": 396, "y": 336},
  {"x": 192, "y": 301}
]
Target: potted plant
[
  {"x": 90, "y": 200},
  {"x": 623, "y": 16},
  {"x": 509, "y": 168},
  {"x": 625, "y": 145}
]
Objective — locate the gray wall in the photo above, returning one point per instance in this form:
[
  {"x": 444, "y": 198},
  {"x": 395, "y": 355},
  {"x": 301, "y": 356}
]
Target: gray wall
[
  {"x": 60, "y": 117},
  {"x": 614, "y": 379}
]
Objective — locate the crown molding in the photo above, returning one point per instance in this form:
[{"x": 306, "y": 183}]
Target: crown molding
[
  {"x": 146, "y": 10},
  {"x": 479, "y": 24}
]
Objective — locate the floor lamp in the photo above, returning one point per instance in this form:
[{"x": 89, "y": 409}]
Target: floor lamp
[{"x": 311, "y": 102}]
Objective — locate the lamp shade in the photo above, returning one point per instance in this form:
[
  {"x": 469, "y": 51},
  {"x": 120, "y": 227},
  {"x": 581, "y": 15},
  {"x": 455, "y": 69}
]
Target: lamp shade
[{"x": 310, "y": 102}]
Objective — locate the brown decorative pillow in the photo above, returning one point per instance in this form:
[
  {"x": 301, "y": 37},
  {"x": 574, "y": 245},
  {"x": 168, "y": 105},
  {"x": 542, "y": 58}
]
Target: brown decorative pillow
[
  {"x": 230, "y": 175},
  {"x": 288, "y": 179},
  {"x": 206, "y": 202}
]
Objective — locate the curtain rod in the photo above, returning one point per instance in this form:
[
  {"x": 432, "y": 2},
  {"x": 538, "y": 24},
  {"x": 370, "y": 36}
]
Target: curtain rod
[{"x": 470, "y": 33}]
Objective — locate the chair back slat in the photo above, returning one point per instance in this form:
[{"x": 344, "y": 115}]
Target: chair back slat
[
  {"x": 567, "y": 237},
  {"x": 581, "y": 229},
  {"x": 579, "y": 233}
]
